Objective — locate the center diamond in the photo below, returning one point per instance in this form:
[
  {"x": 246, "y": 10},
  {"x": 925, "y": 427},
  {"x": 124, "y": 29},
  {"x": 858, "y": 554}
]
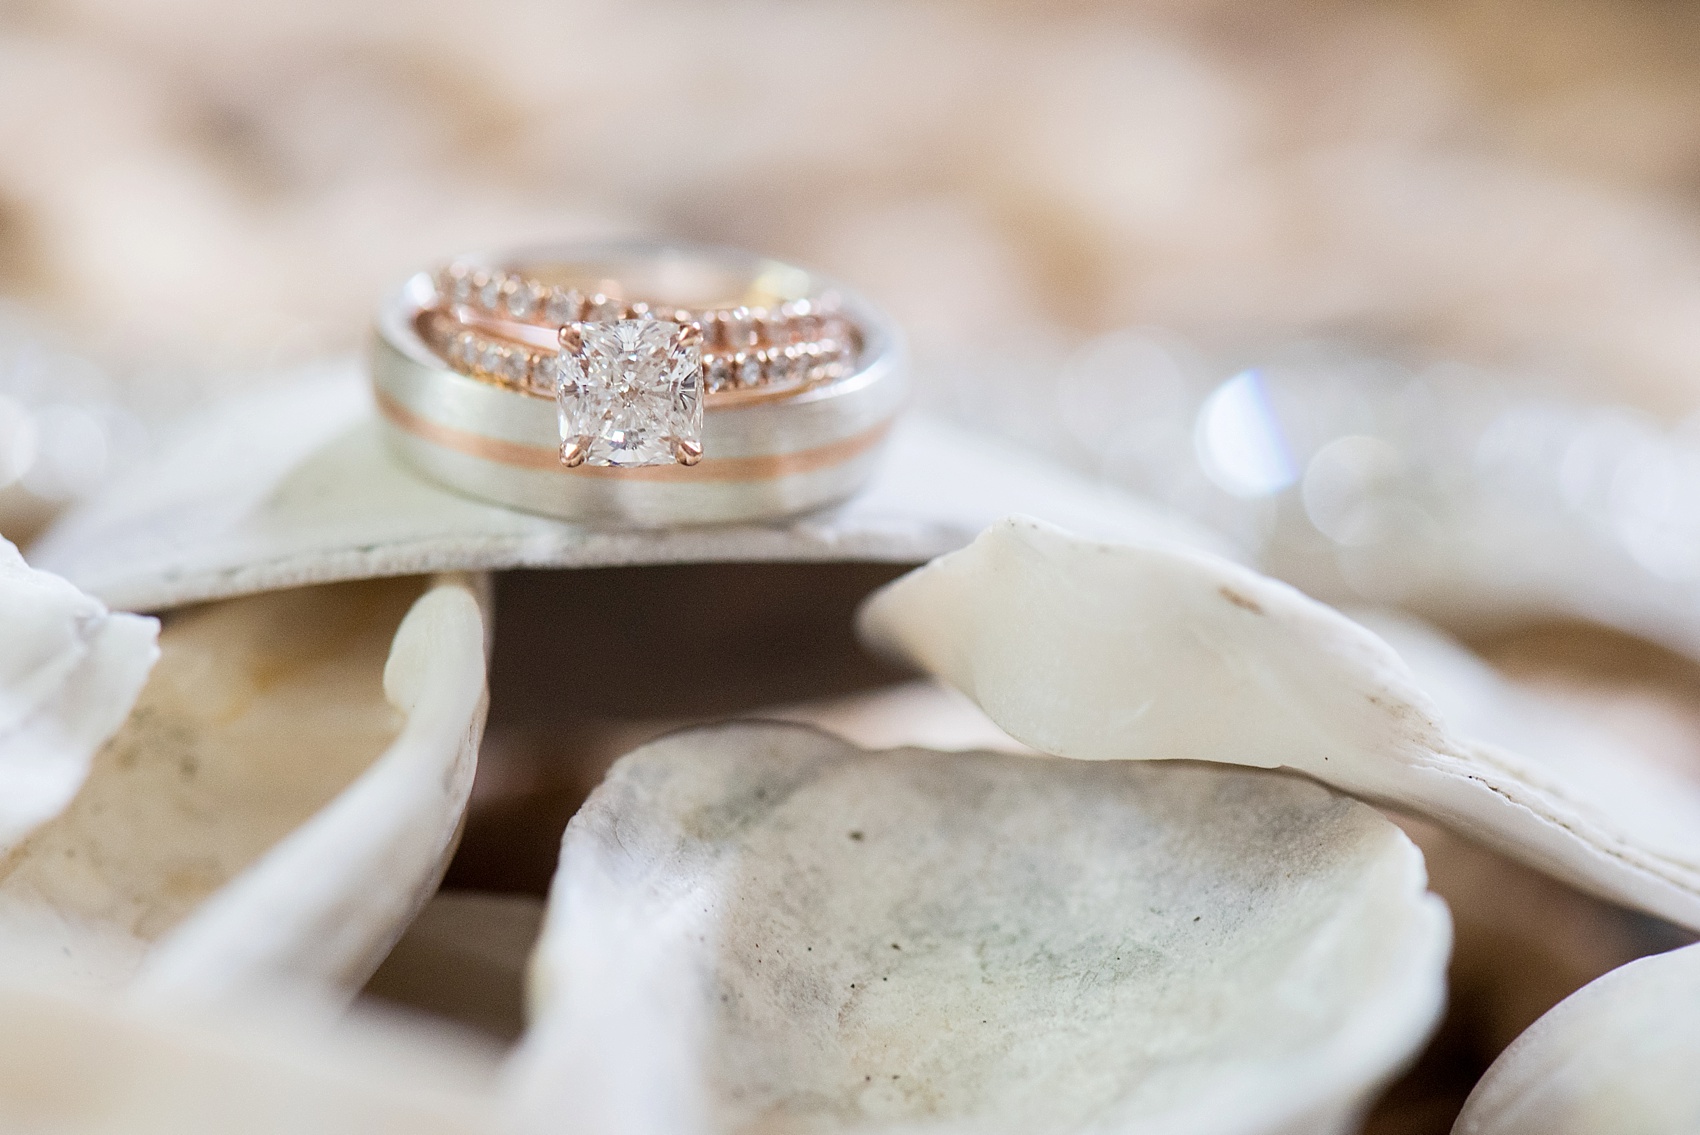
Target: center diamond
[{"x": 630, "y": 393}]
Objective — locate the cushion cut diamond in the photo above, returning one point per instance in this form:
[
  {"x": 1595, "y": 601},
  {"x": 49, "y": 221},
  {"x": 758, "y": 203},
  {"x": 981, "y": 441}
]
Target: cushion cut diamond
[{"x": 630, "y": 393}]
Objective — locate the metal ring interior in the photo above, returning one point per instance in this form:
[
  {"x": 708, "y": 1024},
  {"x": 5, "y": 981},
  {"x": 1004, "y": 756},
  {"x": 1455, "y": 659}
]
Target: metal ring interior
[{"x": 761, "y": 461}]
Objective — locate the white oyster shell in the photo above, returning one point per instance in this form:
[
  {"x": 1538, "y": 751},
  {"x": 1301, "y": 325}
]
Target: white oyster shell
[
  {"x": 1581, "y": 758},
  {"x": 294, "y": 487},
  {"x": 273, "y": 812},
  {"x": 1617, "y": 1057},
  {"x": 69, "y": 673},
  {"x": 761, "y": 927},
  {"x": 1103, "y": 652}
]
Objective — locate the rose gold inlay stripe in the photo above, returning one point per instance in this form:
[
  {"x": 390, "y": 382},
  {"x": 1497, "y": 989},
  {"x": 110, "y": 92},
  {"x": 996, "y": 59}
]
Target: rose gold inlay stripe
[{"x": 708, "y": 469}]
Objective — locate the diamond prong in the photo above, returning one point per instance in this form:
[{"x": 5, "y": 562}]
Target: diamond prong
[
  {"x": 690, "y": 335},
  {"x": 572, "y": 337},
  {"x": 573, "y": 453},
  {"x": 687, "y": 453}
]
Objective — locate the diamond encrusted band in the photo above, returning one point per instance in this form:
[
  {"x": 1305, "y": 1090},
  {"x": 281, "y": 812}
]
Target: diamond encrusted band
[
  {"x": 491, "y": 319},
  {"x": 515, "y": 297},
  {"x": 770, "y": 369},
  {"x": 613, "y": 416}
]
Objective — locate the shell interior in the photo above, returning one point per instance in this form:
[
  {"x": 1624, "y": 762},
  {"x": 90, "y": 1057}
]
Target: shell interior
[
  {"x": 782, "y": 931},
  {"x": 266, "y": 781}
]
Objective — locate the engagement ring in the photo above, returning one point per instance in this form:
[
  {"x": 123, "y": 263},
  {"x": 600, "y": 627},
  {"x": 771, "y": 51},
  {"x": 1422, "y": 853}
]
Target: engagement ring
[{"x": 673, "y": 384}]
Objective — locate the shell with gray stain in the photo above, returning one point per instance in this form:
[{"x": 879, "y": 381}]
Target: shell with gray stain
[{"x": 761, "y": 927}]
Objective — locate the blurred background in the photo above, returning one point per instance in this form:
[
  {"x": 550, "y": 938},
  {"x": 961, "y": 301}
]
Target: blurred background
[
  {"x": 199, "y": 195},
  {"x": 1116, "y": 232}
]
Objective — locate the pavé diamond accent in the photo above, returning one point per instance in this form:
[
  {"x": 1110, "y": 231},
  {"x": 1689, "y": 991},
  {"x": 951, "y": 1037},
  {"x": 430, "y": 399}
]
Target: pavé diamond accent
[
  {"x": 746, "y": 368},
  {"x": 546, "y": 374},
  {"x": 631, "y": 392},
  {"x": 718, "y": 372},
  {"x": 516, "y": 366},
  {"x": 464, "y": 350},
  {"x": 523, "y": 301},
  {"x": 492, "y": 324},
  {"x": 603, "y": 309},
  {"x": 562, "y": 306},
  {"x": 458, "y": 284},
  {"x": 781, "y": 365}
]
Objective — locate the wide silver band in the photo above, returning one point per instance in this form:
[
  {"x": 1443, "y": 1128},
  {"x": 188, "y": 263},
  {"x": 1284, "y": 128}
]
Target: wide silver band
[{"x": 762, "y": 460}]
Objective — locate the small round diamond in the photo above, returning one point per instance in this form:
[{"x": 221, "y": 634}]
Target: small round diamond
[
  {"x": 717, "y": 372},
  {"x": 490, "y": 293},
  {"x": 547, "y": 372},
  {"x": 464, "y": 350},
  {"x": 781, "y": 365},
  {"x": 603, "y": 309},
  {"x": 563, "y": 306},
  {"x": 516, "y": 365},
  {"x": 747, "y": 368},
  {"x": 460, "y": 285},
  {"x": 523, "y": 302},
  {"x": 491, "y": 359}
]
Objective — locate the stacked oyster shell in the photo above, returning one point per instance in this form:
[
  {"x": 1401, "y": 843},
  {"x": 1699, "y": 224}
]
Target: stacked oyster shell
[{"x": 1129, "y": 877}]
